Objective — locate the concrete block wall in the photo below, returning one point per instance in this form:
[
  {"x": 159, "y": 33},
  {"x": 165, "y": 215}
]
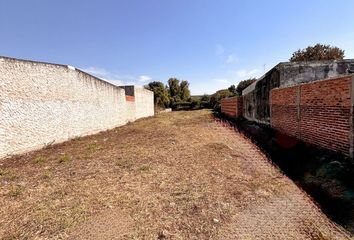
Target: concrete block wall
[
  {"x": 232, "y": 107},
  {"x": 319, "y": 113},
  {"x": 42, "y": 103}
]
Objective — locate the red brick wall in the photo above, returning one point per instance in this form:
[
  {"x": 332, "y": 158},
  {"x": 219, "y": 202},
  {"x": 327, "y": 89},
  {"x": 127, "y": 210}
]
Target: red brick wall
[
  {"x": 284, "y": 111},
  {"x": 318, "y": 113},
  {"x": 130, "y": 98},
  {"x": 232, "y": 107}
]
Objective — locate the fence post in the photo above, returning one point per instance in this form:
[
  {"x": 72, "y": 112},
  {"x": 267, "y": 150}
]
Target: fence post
[{"x": 351, "y": 119}]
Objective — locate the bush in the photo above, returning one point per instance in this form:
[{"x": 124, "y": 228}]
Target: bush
[{"x": 193, "y": 105}]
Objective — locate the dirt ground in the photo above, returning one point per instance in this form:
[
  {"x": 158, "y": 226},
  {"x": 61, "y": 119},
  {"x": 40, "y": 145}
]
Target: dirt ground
[{"x": 180, "y": 175}]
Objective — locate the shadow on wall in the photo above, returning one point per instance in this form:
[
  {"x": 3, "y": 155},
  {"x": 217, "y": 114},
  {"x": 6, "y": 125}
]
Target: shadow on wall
[{"x": 325, "y": 175}]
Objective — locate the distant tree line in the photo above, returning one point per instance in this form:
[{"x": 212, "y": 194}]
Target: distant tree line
[
  {"x": 176, "y": 95},
  {"x": 229, "y": 92},
  {"x": 173, "y": 95}
]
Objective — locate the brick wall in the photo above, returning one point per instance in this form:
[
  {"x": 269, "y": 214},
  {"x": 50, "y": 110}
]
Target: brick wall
[
  {"x": 284, "y": 110},
  {"x": 319, "y": 113},
  {"x": 232, "y": 107}
]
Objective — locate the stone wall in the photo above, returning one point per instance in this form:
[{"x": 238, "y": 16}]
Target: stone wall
[
  {"x": 43, "y": 103},
  {"x": 319, "y": 113}
]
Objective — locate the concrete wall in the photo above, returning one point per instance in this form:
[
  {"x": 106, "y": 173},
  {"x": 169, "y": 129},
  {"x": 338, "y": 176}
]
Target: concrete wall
[
  {"x": 256, "y": 96},
  {"x": 292, "y": 73},
  {"x": 144, "y": 102},
  {"x": 256, "y": 102},
  {"x": 319, "y": 113},
  {"x": 42, "y": 103},
  {"x": 140, "y": 100}
]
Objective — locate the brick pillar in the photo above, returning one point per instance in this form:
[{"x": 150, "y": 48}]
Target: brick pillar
[{"x": 351, "y": 120}]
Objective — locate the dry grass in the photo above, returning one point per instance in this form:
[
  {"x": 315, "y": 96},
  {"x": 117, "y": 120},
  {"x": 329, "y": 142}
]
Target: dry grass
[{"x": 178, "y": 175}]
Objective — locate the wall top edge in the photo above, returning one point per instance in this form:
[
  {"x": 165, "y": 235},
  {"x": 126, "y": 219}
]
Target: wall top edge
[
  {"x": 58, "y": 65},
  {"x": 349, "y": 76}
]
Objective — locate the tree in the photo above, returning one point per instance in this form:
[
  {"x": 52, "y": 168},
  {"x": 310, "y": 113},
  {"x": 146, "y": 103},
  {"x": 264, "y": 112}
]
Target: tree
[
  {"x": 174, "y": 90},
  {"x": 178, "y": 91},
  {"x": 173, "y": 87},
  {"x": 317, "y": 52},
  {"x": 185, "y": 93},
  {"x": 161, "y": 98},
  {"x": 205, "y": 98},
  {"x": 168, "y": 96},
  {"x": 232, "y": 89},
  {"x": 244, "y": 84},
  {"x": 218, "y": 95}
]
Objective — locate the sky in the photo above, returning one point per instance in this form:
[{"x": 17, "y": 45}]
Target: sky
[{"x": 212, "y": 44}]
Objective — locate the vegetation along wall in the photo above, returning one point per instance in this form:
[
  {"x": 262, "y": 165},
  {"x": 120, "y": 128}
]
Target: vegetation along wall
[
  {"x": 319, "y": 112},
  {"x": 43, "y": 103}
]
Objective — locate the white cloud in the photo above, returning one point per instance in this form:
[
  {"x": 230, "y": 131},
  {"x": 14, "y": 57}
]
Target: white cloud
[
  {"x": 221, "y": 80},
  {"x": 144, "y": 78},
  {"x": 96, "y": 71},
  {"x": 219, "y": 49},
  {"x": 243, "y": 73},
  {"x": 116, "y": 79},
  {"x": 116, "y": 82},
  {"x": 221, "y": 52}
]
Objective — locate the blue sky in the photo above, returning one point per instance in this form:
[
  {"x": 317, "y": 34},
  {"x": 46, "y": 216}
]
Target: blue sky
[{"x": 212, "y": 44}]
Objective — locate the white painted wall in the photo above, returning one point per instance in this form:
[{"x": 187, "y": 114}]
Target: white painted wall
[
  {"x": 43, "y": 103},
  {"x": 144, "y": 102}
]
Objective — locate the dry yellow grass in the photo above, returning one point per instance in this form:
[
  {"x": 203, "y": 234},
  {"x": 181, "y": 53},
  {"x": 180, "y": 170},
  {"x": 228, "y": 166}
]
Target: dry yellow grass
[{"x": 178, "y": 175}]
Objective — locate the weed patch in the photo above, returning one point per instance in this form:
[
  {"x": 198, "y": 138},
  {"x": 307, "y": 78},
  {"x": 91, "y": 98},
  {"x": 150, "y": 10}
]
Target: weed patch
[
  {"x": 15, "y": 191},
  {"x": 8, "y": 175},
  {"x": 64, "y": 158},
  {"x": 144, "y": 168},
  {"x": 40, "y": 160}
]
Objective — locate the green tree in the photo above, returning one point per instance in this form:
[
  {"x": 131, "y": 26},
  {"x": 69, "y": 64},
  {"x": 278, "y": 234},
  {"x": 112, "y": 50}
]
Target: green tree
[
  {"x": 185, "y": 93},
  {"x": 232, "y": 89},
  {"x": 205, "y": 98},
  {"x": 174, "y": 90},
  {"x": 244, "y": 84},
  {"x": 161, "y": 97},
  {"x": 317, "y": 52},
  {"x": 173, "y": 87},
  {"x": 217, "y": 96},
  {"x": 178, "y": 91}
]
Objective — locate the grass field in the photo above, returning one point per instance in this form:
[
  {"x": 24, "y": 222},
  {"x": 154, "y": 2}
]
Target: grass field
[{"x": 179, "y": 175}]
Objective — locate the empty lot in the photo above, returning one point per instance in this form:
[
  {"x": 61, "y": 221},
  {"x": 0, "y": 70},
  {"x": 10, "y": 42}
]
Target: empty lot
[{"x": 179, "y": 175}]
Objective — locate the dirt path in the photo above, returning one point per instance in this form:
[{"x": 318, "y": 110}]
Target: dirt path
[{"x": 179, "y": 175}]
